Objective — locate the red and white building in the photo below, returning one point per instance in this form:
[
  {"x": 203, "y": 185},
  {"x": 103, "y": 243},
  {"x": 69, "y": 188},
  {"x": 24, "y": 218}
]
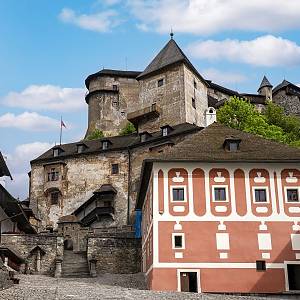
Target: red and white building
[{"x": 221, "y": 213}]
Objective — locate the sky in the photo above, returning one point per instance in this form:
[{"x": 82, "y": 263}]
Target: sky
[{"x": 49, "y": 47}]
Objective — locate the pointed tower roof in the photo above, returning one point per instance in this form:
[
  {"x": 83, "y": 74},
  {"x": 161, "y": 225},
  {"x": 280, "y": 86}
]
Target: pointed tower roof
[
  {"x": 265, "y": 83},
  {"x": 169, "y": 55}
]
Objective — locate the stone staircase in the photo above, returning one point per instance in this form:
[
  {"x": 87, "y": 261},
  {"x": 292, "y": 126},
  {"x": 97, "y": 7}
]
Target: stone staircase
[{"x": 75, "y": 264}]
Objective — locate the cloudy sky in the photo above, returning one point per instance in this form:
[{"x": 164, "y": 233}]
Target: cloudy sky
[{"x": 48, "y": 48}]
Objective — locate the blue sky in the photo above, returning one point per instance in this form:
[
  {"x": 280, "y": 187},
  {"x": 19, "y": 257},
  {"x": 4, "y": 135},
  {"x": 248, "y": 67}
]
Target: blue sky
[{"x": 48, "y": 48}]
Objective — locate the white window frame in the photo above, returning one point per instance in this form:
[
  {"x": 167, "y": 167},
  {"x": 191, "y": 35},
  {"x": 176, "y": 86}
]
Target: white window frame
[
  {"x": 291, "y": 188},
  {"x": 165, "y": 131},
  {"x": 178, "y": 187},
  {"x": 173, "y": 241},
  {"x": 226, "y": 191},
  {"x": 260, "y": 188}
]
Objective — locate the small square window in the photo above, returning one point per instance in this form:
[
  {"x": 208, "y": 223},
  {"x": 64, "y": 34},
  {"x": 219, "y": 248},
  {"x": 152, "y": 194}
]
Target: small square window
[
  {"x": 292, "y": 195},
  {"x": 54, "y": 196},
  {"x": 115, "y": 104},
  {"x": 233, "y": 146},
  {"x": 193, "y": 102},
  {"x": 55, "y": 152},
  {"x": 53, "y": 175},
  {"x": 160, "y": 82},
  {"x": 220, "y": 194},
  {"x": 177, "y": 241},
  {"x": 165, "y": 131},
  {"x": 115, "y": 169},
  {"x": 115, "y": 87},
  {"x": 260, "y": 195},
  {"x": 80, "y": 148},
  {"x": 178, "y": 194},
  {"x": 260, "y": 265},
  {"x": 104, "y": 145}
]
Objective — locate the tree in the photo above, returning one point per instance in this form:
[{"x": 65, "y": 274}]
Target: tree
[
  {"x": 271, "y": 124},
  {"x": 96, "y": 134},
  {"x": 128, "y": 129}
]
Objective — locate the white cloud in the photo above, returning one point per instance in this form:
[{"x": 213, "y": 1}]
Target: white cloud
[
  {"x": 265, "y": 51},
  {"x": 29, "y": 121},
  {"x": 99, "y": 22},
  {"x": 19, "y": 164},
  {"x": 47, "y": 97},
  {"x": 223, "y": 77},
  {"x": 210, "y": 16}
]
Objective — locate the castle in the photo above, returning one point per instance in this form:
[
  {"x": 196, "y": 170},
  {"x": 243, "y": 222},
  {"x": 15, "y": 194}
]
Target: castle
[
  {"x": 166, "y": 102},
  {"x": 85, "y": 197}
]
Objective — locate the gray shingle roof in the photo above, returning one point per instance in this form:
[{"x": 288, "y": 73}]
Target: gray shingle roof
[
  {"x": 265, "y": 83},
  {"x": 283, "y": 85},
  {"x": 169, "y": 55}
]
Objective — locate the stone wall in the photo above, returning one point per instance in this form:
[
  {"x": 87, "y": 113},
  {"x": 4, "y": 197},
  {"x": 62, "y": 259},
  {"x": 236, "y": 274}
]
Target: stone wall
[
  {"x": 24, "y": 243},
  {"x": 108, "y": 107},
  {"x": 290, "y": 103},
  {"x": 116, "y": 250},
  {"x": 82, "y": 176},
  {"x": 5, "y": 282}
]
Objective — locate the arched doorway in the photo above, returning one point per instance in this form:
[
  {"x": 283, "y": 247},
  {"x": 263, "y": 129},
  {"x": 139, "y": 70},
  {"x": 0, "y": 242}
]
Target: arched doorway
[{"x": 68, "y": 244}]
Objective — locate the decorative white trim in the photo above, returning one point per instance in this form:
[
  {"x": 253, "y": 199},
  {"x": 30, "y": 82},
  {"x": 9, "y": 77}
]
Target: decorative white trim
[
  {"x": 265, "y": 255},
  {"x": 173, "y": 240},
  {"x": 261, "y": 209},
  {"x": 264, "y": 241},
  {"x": 266, "y": 188},
  {"x": 178, "y": 208},
  {"x": 259, "y": 178},
  {"x": 223, "y": 255},
  {"x": 178, "y": 255},
  {"x": 294, "y": 209},
  {"x": 263, "y": 226},
  {"x": 220, "y": 208},
  {"x": 291, "y": 188},
  {"x": 213, "y": 187},
  {"x": 178, "y": 178},
  {"x": 297, "y": 255},
  {"x": 186, "y": 271},
  {"x": 177, "y": 226},
  {"x": 219, "y": 178},
  {"x": 291, "y": 178},
  {"x": 178, "y": 187}
]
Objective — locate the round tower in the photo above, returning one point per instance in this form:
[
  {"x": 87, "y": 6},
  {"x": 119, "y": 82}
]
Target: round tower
[{"x": 265, "y": 89}]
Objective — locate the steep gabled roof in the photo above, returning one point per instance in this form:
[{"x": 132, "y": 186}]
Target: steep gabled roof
[
  {"x": 169, "y": 55},
  {"x": 265, "y": 83},
  {"x": 283, "y": 85},
  {"x": 4, "y": 171}
]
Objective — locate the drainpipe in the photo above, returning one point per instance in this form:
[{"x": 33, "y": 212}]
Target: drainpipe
[{"x": 129, "y": 185}]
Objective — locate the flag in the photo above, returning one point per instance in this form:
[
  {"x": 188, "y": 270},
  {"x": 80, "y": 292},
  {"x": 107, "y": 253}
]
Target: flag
[{"x": 62, "y": 124}]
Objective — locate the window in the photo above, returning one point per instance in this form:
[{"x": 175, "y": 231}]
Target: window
[
  {"x": 115, "y": 104},
  {"x": 144, "y": 137},
  {"x": 104, "y": 145},
  {"x": 55, "y": 152},
  {"x": 220, "y": 194},
  {"x": 53, "y": 175},
  {"x": 165, "y": 131},
  {"x": 292, "y": 195},
  {"x": 178, "y": 241},
  {"x": 115, "y": 169},
  {"x": 80, "y": 148},
  {"x": 178, "y": 194},
  {"x": 160, "y": 82},
  {"x": 54, "y": 196},
  {"x": 115, "y": 87},
  {"x": 193, "y": 102},
  {"x": 260, "y": 265},
  {"x": 260, "y": 195},
  {"x": 233, "y": 146},
  {"x": 195, "y": 84}
]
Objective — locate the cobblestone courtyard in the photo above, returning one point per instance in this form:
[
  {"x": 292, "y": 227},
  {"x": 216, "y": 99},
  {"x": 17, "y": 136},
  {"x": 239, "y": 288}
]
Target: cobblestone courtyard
[{"x": 107, "y": 286}]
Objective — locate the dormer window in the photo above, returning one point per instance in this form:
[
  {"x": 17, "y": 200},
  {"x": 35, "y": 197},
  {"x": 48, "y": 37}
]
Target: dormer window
[
  {"x": 232, "y": 144},
  {"x": 81, "y": 148},
  {"x": 105, "y": 144},
  {"x": 165, "y": 130},
  {"x": 144, "y": 136},
  {"x": 57, "y": 151},
  {"x": 160, "y": 82}
]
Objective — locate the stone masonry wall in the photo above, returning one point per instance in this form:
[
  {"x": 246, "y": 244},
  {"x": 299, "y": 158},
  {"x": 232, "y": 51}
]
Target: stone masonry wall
[
  {"x": 83, "y": 175},
  {"x": 24, "y": 243},
  {"x": 107, "y": 109},
  {"x": 116, "y": 250},
  {"x": 290, "y": 103}
]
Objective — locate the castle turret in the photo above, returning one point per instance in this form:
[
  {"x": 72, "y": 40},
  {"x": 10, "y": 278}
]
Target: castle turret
[
  {"x": 171, "y": 92},
  {"x": 265, "y": 89},
  {"x": 110, "y": 94}
]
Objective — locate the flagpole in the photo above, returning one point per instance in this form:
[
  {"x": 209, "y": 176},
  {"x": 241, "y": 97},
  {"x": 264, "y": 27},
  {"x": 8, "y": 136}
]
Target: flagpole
[{"x": 60, "y": 130}]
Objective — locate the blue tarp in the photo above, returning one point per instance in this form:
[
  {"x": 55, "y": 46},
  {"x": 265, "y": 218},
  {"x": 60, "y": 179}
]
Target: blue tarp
[{"x": 138, "y": 223}]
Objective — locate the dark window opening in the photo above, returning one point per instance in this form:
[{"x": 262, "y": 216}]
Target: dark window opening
[
  {"x": 177, "y": 241},
  {"x": 115, "y": 169},
  {"x": 54, "y": 196},
  {"x": 188, "y": 282},
  {"x": 160, "y": 82},
  {"x": 107, "y": 203},
  {"x": 260, "y": 265},
  {"x": 53, "y": 175},
  {"x": 260, "y": 195},
  {"x": 178, "y": 194},
  {"x": 193, "y": 102},
  {"x": 195, "y": 84},
  {"x": 143, "y": 137},
  {"x": 292, "y": 195},
  {"x": 115, "y": 104},
  {"x": 80, "y": 148},
  {"x": 220, "y": 194},
  {"x": 293, "y": 277},
  {"x": 115, "y": 87}
]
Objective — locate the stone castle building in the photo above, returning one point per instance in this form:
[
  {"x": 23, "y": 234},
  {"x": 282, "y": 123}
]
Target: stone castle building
[{"x": 97, "y": 180}]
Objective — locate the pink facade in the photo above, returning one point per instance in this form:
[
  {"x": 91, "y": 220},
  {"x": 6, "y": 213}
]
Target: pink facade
[{"x": 222, "y": 227}]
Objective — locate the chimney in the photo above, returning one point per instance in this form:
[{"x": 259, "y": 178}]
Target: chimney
[{"x": 210, "y": 116}]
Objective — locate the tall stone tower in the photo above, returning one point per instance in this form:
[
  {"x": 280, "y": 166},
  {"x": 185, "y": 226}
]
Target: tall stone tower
[
  {"x": 265, "y": 89},
  {"x": 171, "y": 92},
  {"x": 110, "y": 94}
]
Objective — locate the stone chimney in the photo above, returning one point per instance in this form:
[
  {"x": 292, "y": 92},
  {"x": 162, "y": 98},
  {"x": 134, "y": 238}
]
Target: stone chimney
[{"x": 210, "y": 116}]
